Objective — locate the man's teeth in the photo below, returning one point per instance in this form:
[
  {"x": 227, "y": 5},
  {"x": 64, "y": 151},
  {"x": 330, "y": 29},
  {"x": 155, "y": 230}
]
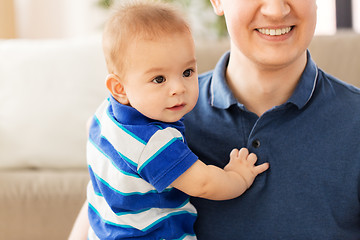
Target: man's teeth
[{"x": 274, "y": 32}]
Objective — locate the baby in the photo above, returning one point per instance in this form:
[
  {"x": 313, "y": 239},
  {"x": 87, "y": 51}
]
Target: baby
[{"x": 142, "y": 172}]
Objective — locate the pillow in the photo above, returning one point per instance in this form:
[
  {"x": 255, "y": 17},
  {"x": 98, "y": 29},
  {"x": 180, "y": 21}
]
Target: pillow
[{"x": 48, "y": 90}]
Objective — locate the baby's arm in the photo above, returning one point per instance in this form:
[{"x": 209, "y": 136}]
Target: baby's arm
[{"x": 214, "y": 183}]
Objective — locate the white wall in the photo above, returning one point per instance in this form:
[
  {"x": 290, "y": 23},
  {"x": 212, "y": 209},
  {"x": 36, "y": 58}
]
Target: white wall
[{"x": 57, "y": 18}]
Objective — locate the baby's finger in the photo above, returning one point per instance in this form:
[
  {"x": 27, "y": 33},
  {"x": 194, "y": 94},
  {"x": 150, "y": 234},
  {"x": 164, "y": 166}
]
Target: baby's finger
[
  {"x": 252, "y": 158},
  {"x": 261, "y": 168},
  {"x": 243, "y": 153},
  {"x": 234, "y": 153}
]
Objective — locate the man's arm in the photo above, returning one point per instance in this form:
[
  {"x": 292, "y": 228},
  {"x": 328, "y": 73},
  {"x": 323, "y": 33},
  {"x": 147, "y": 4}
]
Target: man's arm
[{"x": 81, "y": 225}]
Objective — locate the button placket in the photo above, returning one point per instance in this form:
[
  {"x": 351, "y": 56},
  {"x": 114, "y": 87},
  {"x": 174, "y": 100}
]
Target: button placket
[{"x": 256, "y": 143}]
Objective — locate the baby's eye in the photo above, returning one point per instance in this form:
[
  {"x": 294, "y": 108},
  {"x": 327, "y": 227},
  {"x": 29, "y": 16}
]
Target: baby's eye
[
  {"x": 188, "y": 72},
  {"x": 159, "y": 79}
]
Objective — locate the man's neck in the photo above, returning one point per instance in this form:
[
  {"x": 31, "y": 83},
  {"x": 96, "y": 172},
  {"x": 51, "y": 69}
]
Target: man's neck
[{"x": 261, "y": 88}]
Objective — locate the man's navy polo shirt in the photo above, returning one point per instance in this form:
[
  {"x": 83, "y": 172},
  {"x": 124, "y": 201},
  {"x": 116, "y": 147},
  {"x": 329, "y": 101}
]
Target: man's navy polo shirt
[{"x": 312, "y": 143}]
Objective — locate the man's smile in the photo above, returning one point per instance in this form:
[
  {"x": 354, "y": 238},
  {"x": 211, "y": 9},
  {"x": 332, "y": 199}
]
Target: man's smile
[{"x": 274, "y": 32}]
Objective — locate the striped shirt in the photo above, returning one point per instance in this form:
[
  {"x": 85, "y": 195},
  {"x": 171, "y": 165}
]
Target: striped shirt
[{"x": 132, "y": 161}]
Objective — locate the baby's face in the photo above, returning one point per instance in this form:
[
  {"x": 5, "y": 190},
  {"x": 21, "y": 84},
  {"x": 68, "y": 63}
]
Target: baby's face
[{"x": 161, "y": 78}]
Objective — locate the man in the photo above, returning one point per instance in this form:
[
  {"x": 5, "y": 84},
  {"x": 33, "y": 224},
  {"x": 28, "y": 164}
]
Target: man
[{"x": 269, "y": 96}]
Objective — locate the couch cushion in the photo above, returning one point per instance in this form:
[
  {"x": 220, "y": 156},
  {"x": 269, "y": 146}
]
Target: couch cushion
[
  {"x": 338, "y": 55},
  {"x": 48, "y": 89},
  {"x": 43, "y": 202}
]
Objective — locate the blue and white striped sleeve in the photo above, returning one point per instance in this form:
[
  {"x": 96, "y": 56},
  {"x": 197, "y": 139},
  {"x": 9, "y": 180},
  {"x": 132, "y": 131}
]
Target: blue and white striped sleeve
[{"x": 165, "y": 157}]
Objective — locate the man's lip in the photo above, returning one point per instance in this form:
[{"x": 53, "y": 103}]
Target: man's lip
[{"x": 275, "y": 31}]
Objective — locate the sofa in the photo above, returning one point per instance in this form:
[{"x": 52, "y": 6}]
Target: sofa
[{"x": 48, "y": 90}]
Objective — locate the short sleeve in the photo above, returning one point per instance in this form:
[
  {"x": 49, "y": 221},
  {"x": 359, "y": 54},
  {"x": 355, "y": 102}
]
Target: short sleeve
[{"x": 164, "y": 158}]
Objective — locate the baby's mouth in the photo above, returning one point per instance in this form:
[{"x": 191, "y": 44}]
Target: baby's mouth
[{"x": 177, "y": 107}]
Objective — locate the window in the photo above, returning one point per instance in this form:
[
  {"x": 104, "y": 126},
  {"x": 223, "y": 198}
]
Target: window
[
  {"x": 336, "y": 15},
  {"x": 344, "y": 14}
]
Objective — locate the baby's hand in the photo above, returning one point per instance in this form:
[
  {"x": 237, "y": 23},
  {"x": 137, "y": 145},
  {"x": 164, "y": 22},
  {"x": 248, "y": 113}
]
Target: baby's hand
[{"x": 243, "y": 164}]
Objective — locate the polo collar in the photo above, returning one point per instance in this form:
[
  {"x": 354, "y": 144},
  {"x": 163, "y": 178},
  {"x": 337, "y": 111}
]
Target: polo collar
[
  {"x": 222, "y": 97},
  {"x": 306, "y": 86},
  {"x": 127, "y": 115}
]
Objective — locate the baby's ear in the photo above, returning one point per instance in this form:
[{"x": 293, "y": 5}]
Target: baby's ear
[{"x": 116, "y": 87}]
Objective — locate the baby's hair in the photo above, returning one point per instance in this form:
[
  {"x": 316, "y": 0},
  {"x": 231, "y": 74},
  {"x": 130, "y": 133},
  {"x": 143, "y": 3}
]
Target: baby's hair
[{"x": 138, "y": 20}]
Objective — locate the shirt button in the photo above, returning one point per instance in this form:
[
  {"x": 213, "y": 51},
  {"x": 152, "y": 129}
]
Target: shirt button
[{"x": 256, "y": 143}]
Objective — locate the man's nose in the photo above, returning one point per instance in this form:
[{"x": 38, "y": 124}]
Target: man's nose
[{"x": 275, "y": 9}]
